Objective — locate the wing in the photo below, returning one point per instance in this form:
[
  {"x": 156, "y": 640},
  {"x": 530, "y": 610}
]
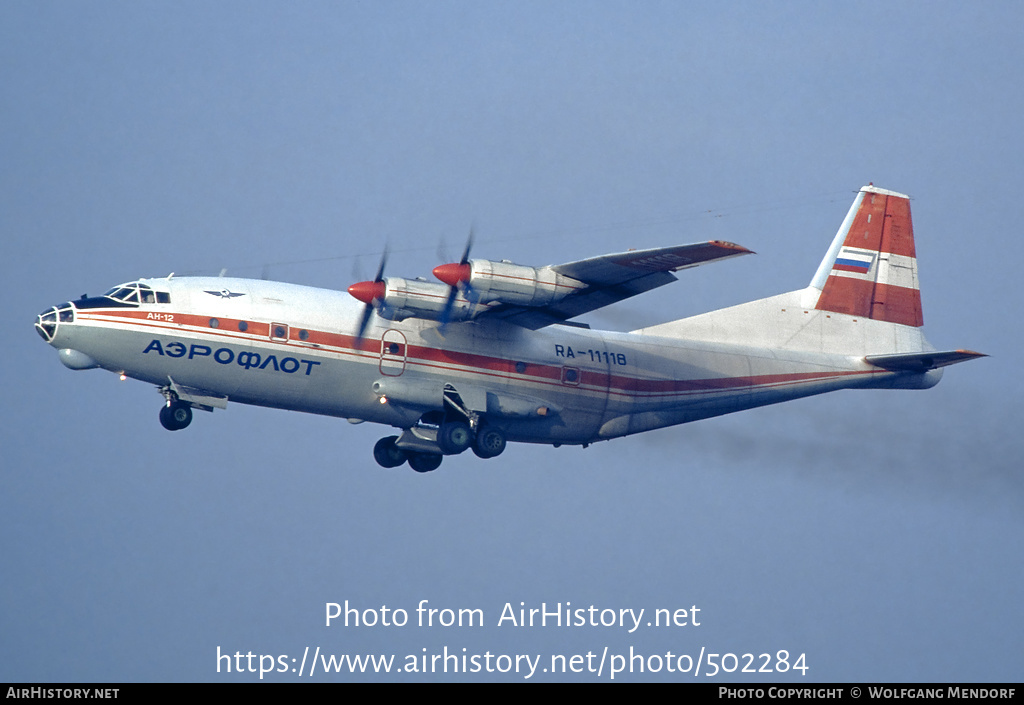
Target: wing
[{"x": 612, "y": 278}]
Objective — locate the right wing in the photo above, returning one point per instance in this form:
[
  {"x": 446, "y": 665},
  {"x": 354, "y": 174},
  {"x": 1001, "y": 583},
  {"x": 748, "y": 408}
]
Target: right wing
[{"x": 612, "y": 278}]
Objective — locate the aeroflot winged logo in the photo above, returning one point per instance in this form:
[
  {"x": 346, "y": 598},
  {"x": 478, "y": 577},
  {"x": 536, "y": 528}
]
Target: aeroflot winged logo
[{"x": 223, "y": 293}]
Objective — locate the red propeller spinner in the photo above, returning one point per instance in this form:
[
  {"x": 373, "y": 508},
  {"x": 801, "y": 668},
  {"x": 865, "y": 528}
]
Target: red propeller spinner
[
  {"x": 452, "y": 274},
  {"x": 368, "y": 291}
]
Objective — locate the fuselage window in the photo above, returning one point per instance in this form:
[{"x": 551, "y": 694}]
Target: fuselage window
[
  {"x": 243, "y": 326},
  {"x": 214, "y": 323}
]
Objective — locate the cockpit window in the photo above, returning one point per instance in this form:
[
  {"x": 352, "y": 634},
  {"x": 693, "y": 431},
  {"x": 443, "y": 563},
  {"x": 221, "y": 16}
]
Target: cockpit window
[
  {"x": 125, "y": 292},
  {"x": 137, "y": 292}
]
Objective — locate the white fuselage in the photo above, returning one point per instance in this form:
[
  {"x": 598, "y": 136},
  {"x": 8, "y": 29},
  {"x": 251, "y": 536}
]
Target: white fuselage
[{"x": 295, "y": 347}]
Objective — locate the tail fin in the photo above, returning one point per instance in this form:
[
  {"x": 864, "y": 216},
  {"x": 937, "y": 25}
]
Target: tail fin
[{"x": 870, "y": 270}]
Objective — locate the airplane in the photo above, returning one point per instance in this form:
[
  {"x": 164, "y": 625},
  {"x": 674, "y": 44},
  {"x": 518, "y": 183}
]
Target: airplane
[{"x": 490, "y": 354}]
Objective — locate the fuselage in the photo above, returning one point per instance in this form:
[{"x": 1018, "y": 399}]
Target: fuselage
[
  {"x": 487, "y": 355},
  {"x": 295, "y": 347}
]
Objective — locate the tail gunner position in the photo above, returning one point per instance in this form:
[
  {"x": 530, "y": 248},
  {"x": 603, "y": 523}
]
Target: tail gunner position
[{"x": 490, "y": 354}]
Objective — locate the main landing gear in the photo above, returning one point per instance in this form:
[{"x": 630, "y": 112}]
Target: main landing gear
[
  {"x": 489, "y": 442},
  {"x": 388, "y": 455},
  {"x": 423, "y": 446}
]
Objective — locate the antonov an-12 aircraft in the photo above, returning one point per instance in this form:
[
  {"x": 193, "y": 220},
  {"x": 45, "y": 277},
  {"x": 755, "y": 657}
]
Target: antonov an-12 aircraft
[{"x": 490, "y": 353}]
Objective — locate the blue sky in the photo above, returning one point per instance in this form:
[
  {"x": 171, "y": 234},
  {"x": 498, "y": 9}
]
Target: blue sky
[{"x": 877, "y": 532}]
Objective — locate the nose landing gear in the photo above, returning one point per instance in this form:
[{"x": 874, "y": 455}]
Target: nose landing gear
[
  {"x": 180, "y": 400},
  {"x": 175, "y": 415}
]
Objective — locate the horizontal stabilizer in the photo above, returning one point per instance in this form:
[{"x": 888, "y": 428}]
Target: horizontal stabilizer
[{"x": 921, "y": 362}]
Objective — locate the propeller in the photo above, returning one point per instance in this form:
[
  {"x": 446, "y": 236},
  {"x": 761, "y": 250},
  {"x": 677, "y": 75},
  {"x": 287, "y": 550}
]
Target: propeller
[
  {"x": 456, "y": 276},
  {"x": 370, "y": 292}
]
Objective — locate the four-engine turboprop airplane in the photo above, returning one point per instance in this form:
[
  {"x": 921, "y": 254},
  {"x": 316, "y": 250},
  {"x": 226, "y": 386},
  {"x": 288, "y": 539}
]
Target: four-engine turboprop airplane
[{"x": 489, "y": 354}]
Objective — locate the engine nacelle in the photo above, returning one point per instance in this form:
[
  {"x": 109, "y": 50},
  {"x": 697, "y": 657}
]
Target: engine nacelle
[
  {"x": 505, "y": 282},
  {"x": 415, "y": 298}
]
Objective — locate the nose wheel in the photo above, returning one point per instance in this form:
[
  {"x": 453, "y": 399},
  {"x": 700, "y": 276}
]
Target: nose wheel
[{"x": 175, "y": 415}]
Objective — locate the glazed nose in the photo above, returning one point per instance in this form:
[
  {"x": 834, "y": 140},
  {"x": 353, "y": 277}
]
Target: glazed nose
[{"x": 47, "y": 321}]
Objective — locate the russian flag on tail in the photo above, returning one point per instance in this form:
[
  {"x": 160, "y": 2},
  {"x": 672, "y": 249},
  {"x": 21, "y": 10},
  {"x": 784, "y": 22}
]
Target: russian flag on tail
[
  {"x": 851, "y": 260},
  {"x": 871, "y": 269}
]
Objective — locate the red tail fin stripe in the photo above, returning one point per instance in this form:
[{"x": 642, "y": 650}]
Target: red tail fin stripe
[
  {"x": 882, "y": 224},
  {"x": 883, "y": 302}
]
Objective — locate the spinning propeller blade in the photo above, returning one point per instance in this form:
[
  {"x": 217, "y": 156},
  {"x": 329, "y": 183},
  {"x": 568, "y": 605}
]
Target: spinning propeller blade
[
  {"x": 456, "y": 276},
  {"x": 370, "y": 292}
]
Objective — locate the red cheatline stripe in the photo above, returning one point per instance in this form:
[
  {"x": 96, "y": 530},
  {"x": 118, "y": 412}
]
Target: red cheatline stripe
[{"x": 536, "y": 373}]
